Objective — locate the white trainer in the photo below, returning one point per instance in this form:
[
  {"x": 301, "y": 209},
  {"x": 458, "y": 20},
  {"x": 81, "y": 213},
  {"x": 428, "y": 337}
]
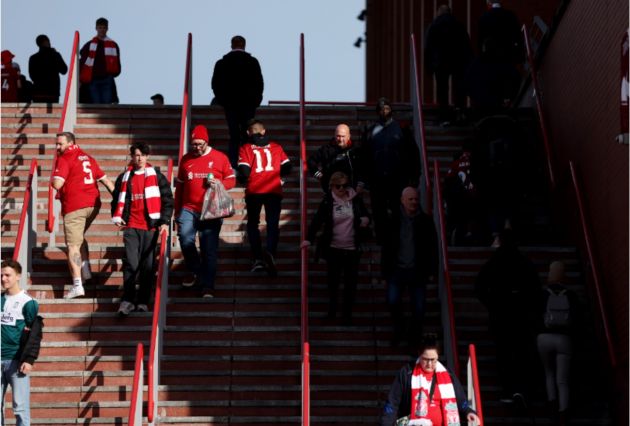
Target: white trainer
[
  {"x": 125, "y": 308},
  {"x": 75, "y": 291},
  {"x": 142, "y": 308}
]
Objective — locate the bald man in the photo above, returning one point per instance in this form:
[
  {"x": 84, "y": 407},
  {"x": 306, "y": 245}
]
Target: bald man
[
  {"x": 339, "y": 155},
  {"x": 409, "y": 259}
]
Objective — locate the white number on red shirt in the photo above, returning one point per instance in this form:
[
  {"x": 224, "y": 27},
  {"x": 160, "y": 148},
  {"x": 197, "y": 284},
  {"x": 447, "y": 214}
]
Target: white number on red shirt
[
  {"x": 259, "y": 167},
  {"x": 89, "y": 179}
]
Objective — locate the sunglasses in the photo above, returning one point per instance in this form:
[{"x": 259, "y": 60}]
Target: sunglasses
[{"x": 341, "y": 185}]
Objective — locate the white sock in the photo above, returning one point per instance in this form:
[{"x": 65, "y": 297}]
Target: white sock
[{"x": 77, "y": 282}]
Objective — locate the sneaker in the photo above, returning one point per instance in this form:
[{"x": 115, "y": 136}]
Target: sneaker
[
  {"x": 259, "y": 265},
  {"x": 75, "y": 291},
  {"x": 271, "y": 264},
  {"x": 142, "y": 308},
  {"x": 190, "y": 281},
  {"x": 125, "y": 308},
  {"x": 207, "y": 293}
]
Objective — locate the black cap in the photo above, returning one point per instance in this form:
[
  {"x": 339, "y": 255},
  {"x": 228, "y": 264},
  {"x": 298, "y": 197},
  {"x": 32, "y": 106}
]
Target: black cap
[{"x": 158, "y": 96}]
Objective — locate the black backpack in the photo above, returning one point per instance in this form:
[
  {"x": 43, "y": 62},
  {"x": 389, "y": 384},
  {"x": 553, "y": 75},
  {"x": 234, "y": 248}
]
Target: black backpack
[{"x": 558, "y": 310}]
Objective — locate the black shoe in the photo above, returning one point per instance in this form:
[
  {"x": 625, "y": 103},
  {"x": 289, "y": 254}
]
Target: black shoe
[
  {"x": 270, "y": 262},
  {"x": 258, "y": 266}
]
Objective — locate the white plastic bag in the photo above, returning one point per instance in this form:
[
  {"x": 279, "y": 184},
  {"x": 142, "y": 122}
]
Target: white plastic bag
[{"x": 217, "y": 202}]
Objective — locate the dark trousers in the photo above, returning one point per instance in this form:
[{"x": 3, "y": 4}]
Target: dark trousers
[
  {"x": 346, "y": 263},
  {"x": 385, "y": 199},
  {"x": 237, "y": 118},
  {"x": 459, "y": 91},
  {"x": 255, "y": 203},
  {"x": 396, "y": 283},
  {"x": 138, "y": 264}
]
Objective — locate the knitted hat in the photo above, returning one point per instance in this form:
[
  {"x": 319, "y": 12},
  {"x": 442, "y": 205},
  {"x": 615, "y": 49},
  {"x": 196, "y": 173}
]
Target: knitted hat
[
  {"x": 200, "y": 132},
  {"x": 7, "y": 56}
]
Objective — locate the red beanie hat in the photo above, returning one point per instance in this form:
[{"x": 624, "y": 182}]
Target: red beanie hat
[{"x": 200, "y": 132}]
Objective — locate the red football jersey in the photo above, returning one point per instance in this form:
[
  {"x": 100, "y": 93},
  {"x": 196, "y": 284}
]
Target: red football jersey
[
  {"x": 264, "y": 162},
  {"x": 192, "y": 177},
  {"x": 137, "y": 216},
  {"x": 80, "y": 173}
]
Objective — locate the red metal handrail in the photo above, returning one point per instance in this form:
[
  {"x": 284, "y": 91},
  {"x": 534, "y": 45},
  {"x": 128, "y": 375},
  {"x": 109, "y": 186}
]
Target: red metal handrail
[
  {"x": 475, "y": 382},
  {"x": 187, "y": 101},
  {"x": 591, "y": 258},
  {"x": 136, "y": 387},
  {"x": 439, "y": 211},
  {"x": 539, "y": 108},
  {"x": 155, "y": 326},
  {"x": 157, "y": 311},
  {"x": 67, "y": 103},
  {"x": 304, "y": 250},
  {"x": 419, "y": 123},
  {"x": 25, "y": 204}
]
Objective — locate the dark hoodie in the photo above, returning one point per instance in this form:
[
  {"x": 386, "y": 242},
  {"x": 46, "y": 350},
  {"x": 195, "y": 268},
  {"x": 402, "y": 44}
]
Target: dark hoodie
[{"x": 237, "y": 80}]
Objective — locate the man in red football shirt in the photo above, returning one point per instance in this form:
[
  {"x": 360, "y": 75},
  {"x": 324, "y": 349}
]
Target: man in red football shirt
[
  {"x": 262, "y": 164},
  {"x": 142, "y": 204},
  {"x": 192, "y": 182},
  {"x": 76, "y": 178}
]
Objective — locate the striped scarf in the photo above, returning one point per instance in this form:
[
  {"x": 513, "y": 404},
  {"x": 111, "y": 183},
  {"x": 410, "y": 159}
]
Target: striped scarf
[
  {"x": 111, "y": 59},
  {"x": 151, "y": 194},
  {"x": 420, "y": 401}
]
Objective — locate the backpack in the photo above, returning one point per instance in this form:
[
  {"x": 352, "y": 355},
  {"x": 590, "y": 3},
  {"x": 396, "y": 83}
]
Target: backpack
[{"x": 558, "y": 311}]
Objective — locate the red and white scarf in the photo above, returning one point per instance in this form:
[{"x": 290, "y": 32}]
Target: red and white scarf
[
  {"x": 112, "y": 65},
  {"x": 421, "y": 389},
  {"x": 152, "y": 199}
]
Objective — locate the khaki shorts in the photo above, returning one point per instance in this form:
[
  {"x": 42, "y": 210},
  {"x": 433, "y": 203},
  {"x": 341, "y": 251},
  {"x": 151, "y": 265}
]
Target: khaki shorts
[{"x": 76, "y": 223}]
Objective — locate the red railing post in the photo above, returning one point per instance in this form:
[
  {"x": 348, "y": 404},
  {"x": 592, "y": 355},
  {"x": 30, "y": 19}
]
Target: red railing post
[
  {"x": 450, "y": 332},
  {"x": 135, "y": 409},
  {"x": 473, "y": 377},
  {"x": 539, "y": 108},
  {"x": 184, "y": 133},
  {"x": 304, "y": 250},
  {"x": 594, "y": 271},
  {"x": 26, "y": 237},
  {"x": 418, "y": 124}
]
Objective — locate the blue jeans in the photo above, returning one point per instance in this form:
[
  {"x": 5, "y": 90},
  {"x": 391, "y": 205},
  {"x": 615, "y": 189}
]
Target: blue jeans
[
  {"x": 102, "y": 90},
  {"x": 204, "y": 264},
  {"x": 396, "y": 283},
  {"x": 20, "y": 388}
]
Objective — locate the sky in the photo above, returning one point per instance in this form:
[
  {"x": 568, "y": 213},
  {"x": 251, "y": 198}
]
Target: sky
[{"x": 152, "y": 37}]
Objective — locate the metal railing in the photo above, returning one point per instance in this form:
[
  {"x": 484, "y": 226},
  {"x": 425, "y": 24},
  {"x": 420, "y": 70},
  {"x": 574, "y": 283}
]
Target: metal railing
[
  {"x": 304, "y": 250},
  {"x": 135, "y": 409},
  {"x": 445, "y": 293},
  {"x": 593, "y": 265},
  {"x": 418, "y": 126},
  {"x": 474, "y": 388},
  {"x": 158, "y": 324},
  {"x": 184, "y": 134},
  {"x": 67, "y": 123},
  {"x": 539, "y": 108},
  {"x": 27, "y": 229}
]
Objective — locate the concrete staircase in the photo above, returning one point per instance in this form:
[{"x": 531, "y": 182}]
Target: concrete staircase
[{"x": 234, "y": 359}]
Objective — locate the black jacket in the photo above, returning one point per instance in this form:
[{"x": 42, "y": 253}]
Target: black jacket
[
  {"x": 425, "y": 239},
  {"x": 166, "y": 200},
  {"x": 399, "y": 399},
  {"x": 30, "y": 341},
  {"x": 389, "y": 158},
  {"x": 44, "y": 68},
  {"x": 331, "y": 158},
  {"x": 324, "y": 216},
  {"x": 447, "y": 46},
  {"x": 237, "y": 80}
]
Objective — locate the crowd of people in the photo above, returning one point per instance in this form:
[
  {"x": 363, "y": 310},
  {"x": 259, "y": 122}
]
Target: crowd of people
[{"x": 523, "y": 316}]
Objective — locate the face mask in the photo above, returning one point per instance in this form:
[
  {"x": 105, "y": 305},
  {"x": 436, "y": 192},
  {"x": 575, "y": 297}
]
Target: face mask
[{"x": 258, "y": 139}]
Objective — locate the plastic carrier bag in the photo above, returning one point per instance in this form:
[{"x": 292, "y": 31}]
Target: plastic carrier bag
[{"x": 217, "y": 202}]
